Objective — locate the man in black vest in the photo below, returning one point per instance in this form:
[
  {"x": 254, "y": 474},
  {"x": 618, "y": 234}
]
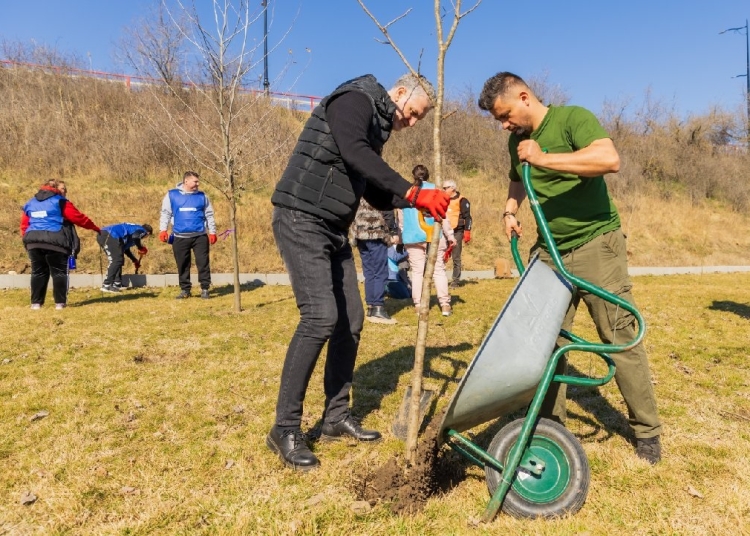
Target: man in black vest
[{"x": 335, "y": 163}]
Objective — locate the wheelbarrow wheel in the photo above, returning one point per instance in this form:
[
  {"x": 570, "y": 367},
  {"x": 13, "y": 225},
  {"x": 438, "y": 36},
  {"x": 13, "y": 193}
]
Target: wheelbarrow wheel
[{"x": 563, "y": 483}]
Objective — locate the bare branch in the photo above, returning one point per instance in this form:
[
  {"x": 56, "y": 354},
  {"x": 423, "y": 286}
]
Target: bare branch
[{"x": 384, "y": 29}]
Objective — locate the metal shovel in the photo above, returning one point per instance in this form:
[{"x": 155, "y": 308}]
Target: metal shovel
[{"x": 400, "y": 425}]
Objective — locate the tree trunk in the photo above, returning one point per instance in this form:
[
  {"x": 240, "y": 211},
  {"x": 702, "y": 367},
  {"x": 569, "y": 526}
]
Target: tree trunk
[
  {"x": 432, "y": 251},
  {"x": 235, "y": 254}
]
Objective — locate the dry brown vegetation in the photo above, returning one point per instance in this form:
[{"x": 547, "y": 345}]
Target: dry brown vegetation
[{"x": 683, "y": 190}]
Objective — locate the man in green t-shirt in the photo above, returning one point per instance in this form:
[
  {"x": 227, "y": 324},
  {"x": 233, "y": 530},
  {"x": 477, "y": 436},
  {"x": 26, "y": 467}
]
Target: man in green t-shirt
[{"x": 570, "y": 152}]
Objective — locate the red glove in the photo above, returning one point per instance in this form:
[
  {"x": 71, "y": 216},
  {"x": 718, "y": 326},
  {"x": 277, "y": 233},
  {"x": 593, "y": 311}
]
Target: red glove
[
  {"x": 143, "y": 251},
  {"x": 212, "y": 239},
  {"x": 447, "y": 254},
  {"x": 433, "y": 201},
  {"x": 163, "y": 236},
  {"x": 467, "y": 236}
]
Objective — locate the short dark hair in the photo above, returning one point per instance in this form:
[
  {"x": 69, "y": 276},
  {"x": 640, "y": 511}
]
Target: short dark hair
[
  {"x": 190, "y": 174},
  {"x": 498, "y": 86},
  {"x": 420, "y": 173},
  {"x": 149, "y": 229}
]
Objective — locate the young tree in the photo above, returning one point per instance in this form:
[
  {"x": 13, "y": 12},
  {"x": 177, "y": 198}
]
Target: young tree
[
  {"x": 419, "y": 353},
  {"x": 210, "y": 119}
]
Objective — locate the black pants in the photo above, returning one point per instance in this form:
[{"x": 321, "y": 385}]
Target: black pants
[
  {"x": 320, "y": 263},
  {"x": 181, "y": 247},
  {"x": 115, "y": 257},
  {"x": 456, "y": 254},
  {"x": 46, "y": 263}
]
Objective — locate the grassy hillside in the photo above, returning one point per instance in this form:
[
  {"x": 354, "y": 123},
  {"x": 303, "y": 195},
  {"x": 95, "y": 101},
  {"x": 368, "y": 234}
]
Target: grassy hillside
[
  {"x": 683, "y": 192},
  {"x": 661, "y": 232}
]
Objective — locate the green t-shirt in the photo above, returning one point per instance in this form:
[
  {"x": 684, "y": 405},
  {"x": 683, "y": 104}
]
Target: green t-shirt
[{"x": 578, "y": 209}]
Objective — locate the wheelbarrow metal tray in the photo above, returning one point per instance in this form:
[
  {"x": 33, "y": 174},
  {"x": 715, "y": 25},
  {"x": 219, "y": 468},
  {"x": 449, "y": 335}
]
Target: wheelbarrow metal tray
[{"x": 506, "y": 370}]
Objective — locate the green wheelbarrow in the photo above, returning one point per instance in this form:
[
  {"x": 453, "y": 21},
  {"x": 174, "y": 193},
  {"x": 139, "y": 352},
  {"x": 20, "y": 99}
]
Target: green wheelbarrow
[{"x": 534, "y": 467}]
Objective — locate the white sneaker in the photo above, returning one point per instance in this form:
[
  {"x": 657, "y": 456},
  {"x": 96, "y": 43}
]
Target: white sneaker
[
  {"x": 446, "y": 310},
  {"x": 59, "y": 306},
  {"x": 110, "y": 288},
  {"x": 36, "y": 306}
]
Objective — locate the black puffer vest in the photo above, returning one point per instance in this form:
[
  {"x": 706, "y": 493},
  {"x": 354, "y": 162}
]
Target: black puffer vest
[{"x": 316, "y": 180}]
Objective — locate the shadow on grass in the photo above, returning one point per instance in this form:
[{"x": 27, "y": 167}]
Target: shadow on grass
[
  {"x": 393, "y": 306},
  {"x": 123, "y": 296},
  {"x": 599, "y": 415},
  {"x": 740, "y": 309},
  {"x": 226, "y": 290},
  {"x": 378, "y": 378}
]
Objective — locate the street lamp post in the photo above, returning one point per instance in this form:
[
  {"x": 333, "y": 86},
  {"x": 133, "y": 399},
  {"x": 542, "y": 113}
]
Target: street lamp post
[
  {"x": 265, "y": 49},
  {"x": 747, "y": 72}
]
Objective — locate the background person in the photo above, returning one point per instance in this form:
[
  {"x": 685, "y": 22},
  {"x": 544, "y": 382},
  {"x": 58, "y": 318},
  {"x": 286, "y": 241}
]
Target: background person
[
  {"x": 373, "y": 230},
  {"x": 585, "y": 224},
  {"x": 48, "y": 243},
  {"x": 116, "y": 241},
  {"x": 69, "y": 228},
  {"x": 194, "y": 228},
  {"x": 337, "y": 161},
  {"x": 398, "y": 286},
  {"x": 416, "y": 234},
  {"x": 459, "y": 216}
]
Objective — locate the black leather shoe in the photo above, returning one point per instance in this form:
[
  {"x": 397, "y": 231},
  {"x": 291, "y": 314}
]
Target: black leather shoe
[
  {"x": 291, "y": 446},
  {"x": 347, "y": 428},
  {"x": 649, "y": 449},
  {"x": 378, "y": 315}
]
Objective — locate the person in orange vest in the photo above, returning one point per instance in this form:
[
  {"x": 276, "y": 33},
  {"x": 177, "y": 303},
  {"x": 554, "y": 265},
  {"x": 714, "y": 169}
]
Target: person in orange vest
[{"x": 459, "y": 216}]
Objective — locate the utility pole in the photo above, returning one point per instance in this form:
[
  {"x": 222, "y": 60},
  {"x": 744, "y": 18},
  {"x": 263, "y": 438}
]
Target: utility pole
[
  {"x": 746, "y": 75},
  {"x": 266, "y": 89}
]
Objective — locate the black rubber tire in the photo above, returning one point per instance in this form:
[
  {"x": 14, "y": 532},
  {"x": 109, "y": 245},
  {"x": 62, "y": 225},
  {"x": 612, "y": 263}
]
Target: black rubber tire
[{"x": 575, "y": 487}]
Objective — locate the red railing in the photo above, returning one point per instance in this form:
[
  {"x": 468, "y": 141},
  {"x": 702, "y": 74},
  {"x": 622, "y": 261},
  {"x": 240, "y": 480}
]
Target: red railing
[{"x": 293, "y": 101}]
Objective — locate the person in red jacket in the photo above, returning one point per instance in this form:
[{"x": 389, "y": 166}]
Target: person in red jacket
[{"x": 49, "y": 241}]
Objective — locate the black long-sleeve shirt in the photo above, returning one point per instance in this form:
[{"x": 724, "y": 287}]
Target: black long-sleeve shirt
[{"x": 349, "y": 116}]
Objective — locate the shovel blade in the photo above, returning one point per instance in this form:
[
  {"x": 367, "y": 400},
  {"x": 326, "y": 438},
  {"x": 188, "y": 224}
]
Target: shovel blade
[{"x": 400, "y": 426}]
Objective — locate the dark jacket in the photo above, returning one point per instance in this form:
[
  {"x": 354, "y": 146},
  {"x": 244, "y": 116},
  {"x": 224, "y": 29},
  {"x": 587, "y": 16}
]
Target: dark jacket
[{"x": 337, "y": 157}]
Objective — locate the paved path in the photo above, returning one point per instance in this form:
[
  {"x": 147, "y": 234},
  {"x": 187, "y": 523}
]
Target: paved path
[{"x": 167, "y": 280}]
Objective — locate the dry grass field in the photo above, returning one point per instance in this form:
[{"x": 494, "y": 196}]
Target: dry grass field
[
  {"x": 661, "y": 232},
  {"x": 139, "y": 414}
]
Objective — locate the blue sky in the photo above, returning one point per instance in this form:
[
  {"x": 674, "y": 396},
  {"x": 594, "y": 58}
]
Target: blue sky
[{"x": 596, "y": 51}]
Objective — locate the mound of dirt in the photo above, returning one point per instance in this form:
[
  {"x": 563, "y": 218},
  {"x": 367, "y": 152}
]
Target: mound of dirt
[{"x": 406, "y": 489}]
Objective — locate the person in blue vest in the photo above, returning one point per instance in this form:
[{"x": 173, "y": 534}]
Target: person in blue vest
[
  {"x": 193, "y": 229},
  {"x": 49, "y": 242},
  {"x": 116, "y": 241}
]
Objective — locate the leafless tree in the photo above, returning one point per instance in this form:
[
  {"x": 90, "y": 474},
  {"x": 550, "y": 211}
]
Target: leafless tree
[
  {"x": 155, "y": 46},
  {"x": 443, "y": 43},
  {"x": 218, "y": 125}
]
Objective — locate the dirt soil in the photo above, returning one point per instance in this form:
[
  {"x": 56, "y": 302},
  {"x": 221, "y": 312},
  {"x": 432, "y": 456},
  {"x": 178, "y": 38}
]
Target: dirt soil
[{"x": 404, "y": 489}]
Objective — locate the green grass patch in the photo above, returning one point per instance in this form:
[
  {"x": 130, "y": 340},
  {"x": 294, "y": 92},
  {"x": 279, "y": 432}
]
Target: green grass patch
[{"x": 158, "y": 410}]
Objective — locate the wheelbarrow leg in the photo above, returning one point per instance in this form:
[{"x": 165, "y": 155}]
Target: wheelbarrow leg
[{"x": 516, "y": 453}]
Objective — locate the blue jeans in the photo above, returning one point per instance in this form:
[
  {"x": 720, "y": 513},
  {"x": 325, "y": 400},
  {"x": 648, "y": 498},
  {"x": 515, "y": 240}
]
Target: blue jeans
[
  {"x": 320, "y": 264},
  {"x": 374, "y": 255},
  {"x": 397, "y": 289}
]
